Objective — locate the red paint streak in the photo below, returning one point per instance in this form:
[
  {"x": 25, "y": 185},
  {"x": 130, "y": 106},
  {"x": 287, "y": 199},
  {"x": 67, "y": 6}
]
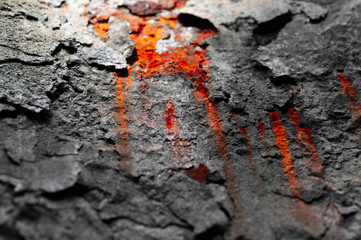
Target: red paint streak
[
  {"x": 179, "y": 148},
  {"x": 251, "y": 162},
  {"x": 122, "y": 86},
  {"x": 305, "y": 136},
  {"x": 200, "y": 174},
  {"x": 262, "y": 131},
  {"x": 350, "y": 94},
  {"x": 283, "y": 145}
]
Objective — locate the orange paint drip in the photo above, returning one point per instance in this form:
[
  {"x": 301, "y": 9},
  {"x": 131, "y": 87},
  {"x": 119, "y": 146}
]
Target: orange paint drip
[
  {"x": 200, "y": 174},
  {"x": 305, "y": 136},
  {"x": 121, "y": 87},
  {"x": 179, "y": 148},
  {"x": 262, "y": 132},
  {"x": 251, "y": 162},
  {"x": 215, "y": 124},
  {"x": 350, "y": 94},
  {"x": 283, "y": 145}
]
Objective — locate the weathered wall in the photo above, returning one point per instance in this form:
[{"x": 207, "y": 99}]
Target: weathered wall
[{"x": 167, "y": 119}]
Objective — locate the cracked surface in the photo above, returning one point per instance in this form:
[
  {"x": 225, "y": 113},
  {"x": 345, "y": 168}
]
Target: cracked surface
[{"x": 166, "y": 119}]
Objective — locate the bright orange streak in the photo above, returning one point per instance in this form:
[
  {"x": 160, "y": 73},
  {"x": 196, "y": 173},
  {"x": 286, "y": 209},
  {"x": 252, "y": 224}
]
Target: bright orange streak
[
  {"x": 350, "y": 94},
  {"x": 251, "y": 162},
  {"x": 179, "y": 149},
  {"x": 283, "y": 145},
  {"x": 305, "y": 137},
  {"x": 122, "y": 119}
]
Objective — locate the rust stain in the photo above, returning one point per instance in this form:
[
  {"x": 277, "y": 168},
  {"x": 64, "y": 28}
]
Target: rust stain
[
  {"x": 179, "y": 148},
  {"x": 283, "y": 145},
  {"x": 305, "y": 136},
  {"x": 121, "y": 87},
  {"x": 200, "y": 174},
  {"x": 350, "y": 94}
]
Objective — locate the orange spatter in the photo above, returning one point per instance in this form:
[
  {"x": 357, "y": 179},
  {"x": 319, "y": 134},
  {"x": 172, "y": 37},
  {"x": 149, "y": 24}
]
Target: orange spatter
[
  {"x": 179, "y": 148},
  {"x": 200, "y": 174},
  {"x": 350, "y": 94},
  {"x": 251, "y": 162},
  {"x": 305, "y": 136},
  {"x": 283, "y": 145}
]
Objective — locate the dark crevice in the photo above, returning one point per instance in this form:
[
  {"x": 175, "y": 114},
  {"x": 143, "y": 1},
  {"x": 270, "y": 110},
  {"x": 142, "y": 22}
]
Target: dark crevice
[
  {"x": 60, "y": 89},
  {"x": 284, "y": 81},
  {"x": 16, "y": 60},
  {"x": 189, "y": 20},
  {"x": 19, "y": 50},
  {"x": 216, "y": 178},
  {"x": 113, "y": 220},
  {"x": 213, "y": 233},
  {"x": 268, "y": 31},
  {"x": 69, "y": 48},
  {"x": 262, "y": 70},
  {"x": 132, "y": 59},
  {"x": 284, "y": 109},
  {"x": 10, "y": 233},
  {"x": 77, "y": 190},
  {"x": 107, "y": 68},
  {"x": 43, "y": 116},
  {"x": 122, "y": 72},
  {"x": 30, "y": 18}
]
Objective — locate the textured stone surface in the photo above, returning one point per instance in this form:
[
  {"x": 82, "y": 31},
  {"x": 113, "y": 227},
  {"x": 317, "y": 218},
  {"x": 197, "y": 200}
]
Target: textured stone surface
[{"x": 238, "y": 120}]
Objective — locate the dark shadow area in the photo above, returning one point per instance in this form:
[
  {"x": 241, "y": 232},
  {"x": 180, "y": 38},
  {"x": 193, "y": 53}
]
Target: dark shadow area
[
  {"x": 214, "y": 233},
  {"x": 189, "y": 20},
  {"x": 268, "y": 31}
]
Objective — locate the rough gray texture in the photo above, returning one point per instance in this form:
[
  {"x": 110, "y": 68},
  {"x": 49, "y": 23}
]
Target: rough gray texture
[{"x": 62, "y": 159}]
